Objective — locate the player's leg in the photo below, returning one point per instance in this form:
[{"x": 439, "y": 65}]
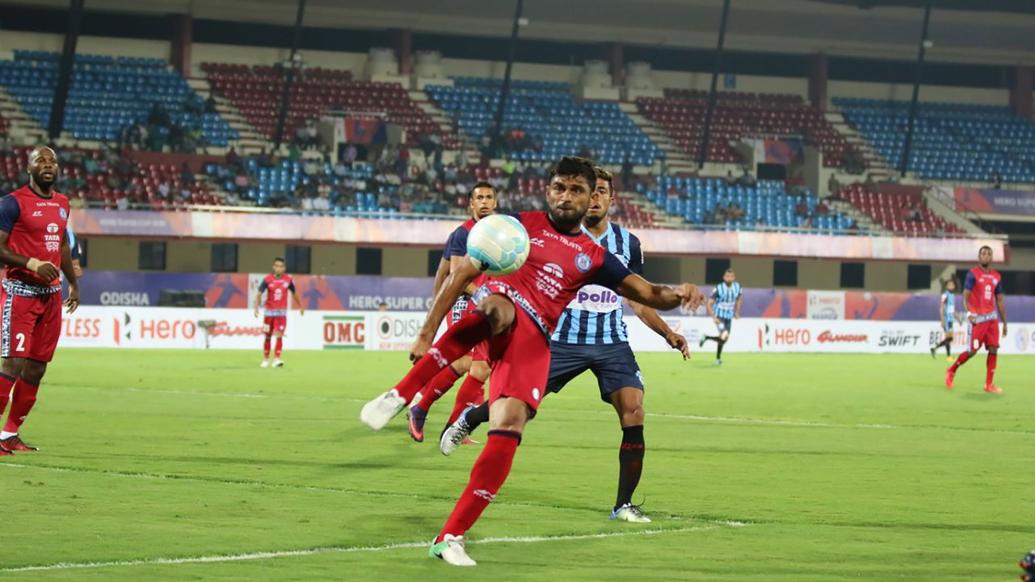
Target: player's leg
[
  {"x": 521, "y": 363},
  {"x": 977, "y": 339},
  {"x": 949, "y": 338},
  {"x": 417, "y": 413},
  {"x": 472, "y": 391},
  {"x": 621, "y": 385},
  {"x": 992, "y": 344},
  {"x": 279, "y": 327},
  {"x": 494, "y": 316},
  {"x": 267, "y": 332},
  {"x": 46, "y": 311},
  {"x": 12, "y": 369}
]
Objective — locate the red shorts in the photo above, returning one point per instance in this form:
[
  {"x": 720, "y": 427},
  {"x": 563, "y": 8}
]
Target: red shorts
[
  {"x": 985, "y": 334},
  {"x": 274, "y": 323},
  {"x": 30, "y": 326},
  {"x": 520, "y": 361}
]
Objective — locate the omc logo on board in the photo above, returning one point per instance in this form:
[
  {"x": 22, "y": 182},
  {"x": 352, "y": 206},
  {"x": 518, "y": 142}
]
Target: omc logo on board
[{"x": 344, "y": 332}]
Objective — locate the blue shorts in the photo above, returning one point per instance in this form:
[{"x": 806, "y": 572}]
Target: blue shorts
[
  {"x": 614, "y": 365},
  {"x": 724, "y": 325},
  {"x": 948, "y": 325}
]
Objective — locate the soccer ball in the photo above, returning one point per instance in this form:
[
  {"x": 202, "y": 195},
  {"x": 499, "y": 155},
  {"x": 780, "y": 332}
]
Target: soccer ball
[{"x": 498, "y": 244}]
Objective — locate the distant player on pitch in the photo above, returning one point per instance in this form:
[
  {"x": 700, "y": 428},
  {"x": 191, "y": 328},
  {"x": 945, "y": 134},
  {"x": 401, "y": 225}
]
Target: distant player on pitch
[
  {"x": 34, "y": 247},
  {"x": 723, "y": 308},
  {"x": 947, "y": 316},
  {"x": 277, "y": 285},
  {"x": 983, "y": 296}
]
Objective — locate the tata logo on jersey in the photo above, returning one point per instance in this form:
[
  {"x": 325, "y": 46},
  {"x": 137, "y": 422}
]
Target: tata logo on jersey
[
  {"x": 52, "y": 228},
  {"x": 344, "y": 332}
]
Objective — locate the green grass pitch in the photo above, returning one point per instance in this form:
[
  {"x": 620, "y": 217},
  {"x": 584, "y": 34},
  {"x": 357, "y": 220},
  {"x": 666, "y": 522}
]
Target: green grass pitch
[{"x": 165, "y": 464}]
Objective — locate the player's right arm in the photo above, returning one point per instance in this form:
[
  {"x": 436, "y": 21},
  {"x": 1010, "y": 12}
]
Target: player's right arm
[
  {"x": 454, "y": 285},
  {"x": 1000, "y": 303},
  {"x": 968, "y": 284},
  {"x": 941, "y": 311},
  {"x": 258, "y": 297},
  {"x": 9, "y": 211},
  {"x": 454, "y": 264},
  {"x": 709, "y": 304}
]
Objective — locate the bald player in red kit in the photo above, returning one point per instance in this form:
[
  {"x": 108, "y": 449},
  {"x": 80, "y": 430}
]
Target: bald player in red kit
[
  {"x": 35, "y": 250},
  {"x": 983, "y": 296}
]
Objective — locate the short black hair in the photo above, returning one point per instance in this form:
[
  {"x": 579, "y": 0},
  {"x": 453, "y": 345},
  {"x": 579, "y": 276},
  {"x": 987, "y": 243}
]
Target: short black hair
[
  {"x": 575, "y": 166},
  {"x": 730, "y": 270},
  {"x": 482, "y": 184},
  {"x": 279, "y": 259},
  {"x": 986, "y": 247},
  {"x": 607, "y": 176}
]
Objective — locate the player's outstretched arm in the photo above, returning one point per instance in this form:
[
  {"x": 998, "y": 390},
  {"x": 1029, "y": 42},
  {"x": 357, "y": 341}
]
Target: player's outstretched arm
[
  {"x": 440, "y": 276},
  {"x": 662, "y": 297},
  {"x": 454, "y": 285},
  {"x": 653, "y": 320},
  {"x": 72, "y": 302},
  {"x": 44, "y": 269}
]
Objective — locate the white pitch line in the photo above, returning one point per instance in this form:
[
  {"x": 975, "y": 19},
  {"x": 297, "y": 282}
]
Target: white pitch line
[
  {"x": 817, "y": 424},
  {"x": 354, "y": 549}
]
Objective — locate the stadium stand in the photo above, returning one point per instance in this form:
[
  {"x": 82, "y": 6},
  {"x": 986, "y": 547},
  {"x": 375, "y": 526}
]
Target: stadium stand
[
  {"x": 951, "y": 141},
  {"x": 766, "y": 204},
  {"x": 109, "y": 95},
  {"x": 681, "y": 115},
  {"x": 898, "y": 212},
  {"x": 544, "y": 121},
  {"x": 256, "y": 93}
]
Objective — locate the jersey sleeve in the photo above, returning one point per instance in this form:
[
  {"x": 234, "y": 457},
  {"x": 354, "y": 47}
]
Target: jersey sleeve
[
  {"x": 456, "y": 246},
  {"x": 635, "y": 255},
  {"x": 999, "y": 287},
  {"x": 970, "y": 281},
  {"x": 263, "y": 286},
  {"x": 611, "y": 273},
  {"x": 715, "y": 293},
  {"x": 9, "y": 212},
  {"x": 291, "y": 286}
]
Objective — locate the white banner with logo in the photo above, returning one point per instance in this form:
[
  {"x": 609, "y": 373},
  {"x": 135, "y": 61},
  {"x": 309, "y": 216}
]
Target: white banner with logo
[
  {"x": 825, "y": 305},
  {"x": 199, "y": 328}
]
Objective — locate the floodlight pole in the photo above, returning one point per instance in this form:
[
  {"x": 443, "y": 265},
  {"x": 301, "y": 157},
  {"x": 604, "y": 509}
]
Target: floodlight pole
[
  {"x": 65, "y": 69},
  {"x": 920, "y": 53},
  {"x": 712, "y": 94},
  {"x": 501, "y": 106},
  {"x": 285, "y": 95}
]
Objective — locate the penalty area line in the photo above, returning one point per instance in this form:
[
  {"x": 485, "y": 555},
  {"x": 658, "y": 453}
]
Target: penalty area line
[{"x": 268, "y": 555}]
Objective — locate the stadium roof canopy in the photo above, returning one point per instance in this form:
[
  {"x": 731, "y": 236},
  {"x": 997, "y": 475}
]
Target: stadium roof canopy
[{"x": 976, "y": 31}]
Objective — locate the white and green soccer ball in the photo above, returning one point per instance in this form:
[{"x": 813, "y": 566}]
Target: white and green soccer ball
[{"x": 498, "y": 244}]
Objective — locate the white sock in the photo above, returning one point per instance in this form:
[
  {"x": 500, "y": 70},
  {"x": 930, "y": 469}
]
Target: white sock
[{"x": 6, "y": 435}]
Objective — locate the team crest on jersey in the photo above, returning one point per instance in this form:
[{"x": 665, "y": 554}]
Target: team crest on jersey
[
  {"x": 63, "y": 213},
  {"x": 583, "y": 262}
]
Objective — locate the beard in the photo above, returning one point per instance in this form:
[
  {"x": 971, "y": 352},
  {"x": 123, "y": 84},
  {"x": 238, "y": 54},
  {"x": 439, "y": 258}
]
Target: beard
[
  {"x": 42, "y": 182},
  {"x": 566, "y": 219}
]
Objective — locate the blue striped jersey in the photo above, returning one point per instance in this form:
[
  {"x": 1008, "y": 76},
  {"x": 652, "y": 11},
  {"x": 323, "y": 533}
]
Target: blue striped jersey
[
  {"x": 950, "y": 305},
  {"x": 594, "y": 316},
  {"x": 725, "y": 297}
]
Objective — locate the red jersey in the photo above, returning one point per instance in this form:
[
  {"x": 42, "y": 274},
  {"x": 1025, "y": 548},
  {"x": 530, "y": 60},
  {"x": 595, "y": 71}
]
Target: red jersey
[
  {"x": 35, "y": 227},
  {"x": 558, "y": 265},
  {"x": 983, "y": 287},
  {"x": 276, "y": 293}
]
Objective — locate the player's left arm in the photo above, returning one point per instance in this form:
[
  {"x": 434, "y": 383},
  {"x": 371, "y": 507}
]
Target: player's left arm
[
  {"x": 455, "y": 284},
  {"x": 1000, "y": 303},
  {"x": 652, "y": 319},
  {"x": 72, "y": 302},
  {"x": 294, "y": 295},
  {"x": 736, "y": 306},
  {"x": 657, "y": 296}
]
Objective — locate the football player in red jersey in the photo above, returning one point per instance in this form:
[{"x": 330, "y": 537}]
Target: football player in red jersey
[
  {"x": 277, "y": 285},
  {"x": 35, "y": 250},
  {"x": 516, "y": 313},
  {"x": 983, "y": 297},
  {"x": 482, "y": 202}
]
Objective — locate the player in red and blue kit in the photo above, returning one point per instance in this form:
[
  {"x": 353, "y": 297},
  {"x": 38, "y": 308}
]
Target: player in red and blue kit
[
  {"x": 35, "y": 250},
  {"x": 482, "y": 202},
  {"x": 983, "y": 296},
  {"x": 277, "y": 285},
  {"x": 517, "y": 313}
]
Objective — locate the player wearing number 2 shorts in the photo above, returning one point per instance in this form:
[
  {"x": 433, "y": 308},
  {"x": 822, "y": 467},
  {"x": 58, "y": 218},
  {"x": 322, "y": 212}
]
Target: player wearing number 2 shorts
[
  {"x": 277, "y": 286},
  {"x": 983, "y": 296},
  {"x": 35, "y": 251}
]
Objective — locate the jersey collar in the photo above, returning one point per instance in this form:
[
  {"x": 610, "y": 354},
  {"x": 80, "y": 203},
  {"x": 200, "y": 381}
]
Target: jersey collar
[{"x": 597, "y": 240}]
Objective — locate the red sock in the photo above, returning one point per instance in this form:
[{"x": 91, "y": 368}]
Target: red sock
[
  {"x": 990, "y": 368},
  {"x": 962, "y": 359},
  {"x": 22, "y": 399},
  {"x": 487, "y": 476},
  {"x": 457, "y": 341},
  {"x": 6, "y": 383},
  {"x": 266, "y": 349},
  {"x": 279, "y": 348},
  {"x": 438, "y": 386},
  {"x": 472, "y": 391}
]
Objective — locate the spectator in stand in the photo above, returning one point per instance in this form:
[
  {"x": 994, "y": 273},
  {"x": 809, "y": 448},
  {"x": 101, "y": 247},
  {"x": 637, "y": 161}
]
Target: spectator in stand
[
  {"x": 734, "y": 212},
  {"x": 822, "y": 209},
  {"x": 164, "y": 189},
  {"x": 351, "y": 153},
  {"x": 211, "y": 104},
  {"x": 731, "y": 180},
  {"x": 833, "y": 186},
  {"x": 997, "y": 181},
  {"x": 746, "y": 179},
  {"x": 241, "y": 181},
  {"x": 322, "y": 203},
  {"x": 801, "y": 208},
  {"x": 158, "y": 116},
  {"x": 232, "y": 159},
  {"x": 402, "y": 164},
  {"x": 186, "y": 175}
]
